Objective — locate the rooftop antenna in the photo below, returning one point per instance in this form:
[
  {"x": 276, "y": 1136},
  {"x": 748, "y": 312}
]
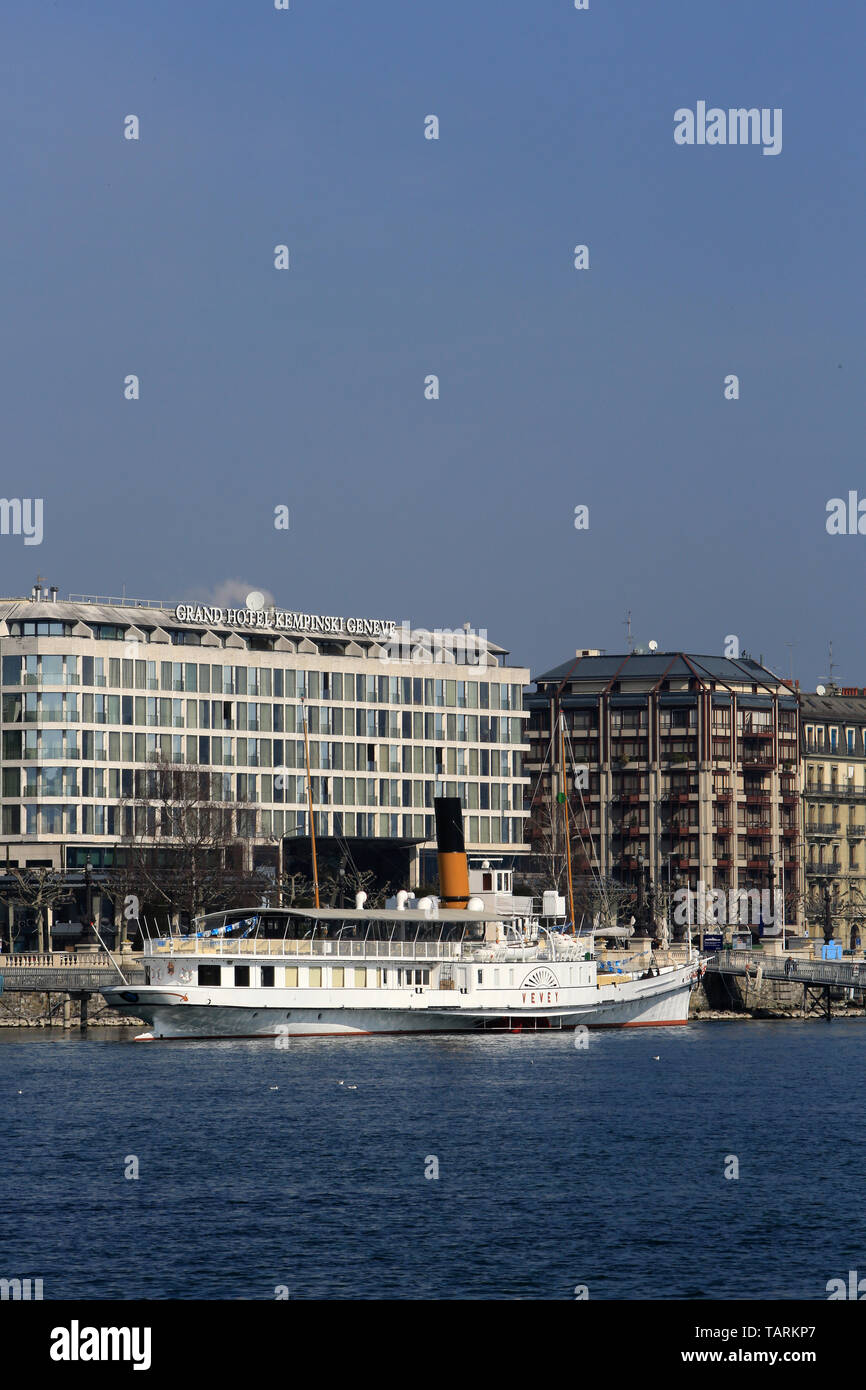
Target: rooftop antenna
[
  {"x": 791, "y": 645},
  {"x": 830, "y": 666},
  {"x": 627, "y": 626}
]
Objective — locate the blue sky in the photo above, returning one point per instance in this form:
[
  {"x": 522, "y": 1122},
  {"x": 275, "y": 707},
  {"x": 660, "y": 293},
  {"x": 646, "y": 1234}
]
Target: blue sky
[{"x": 306, "y": 388}]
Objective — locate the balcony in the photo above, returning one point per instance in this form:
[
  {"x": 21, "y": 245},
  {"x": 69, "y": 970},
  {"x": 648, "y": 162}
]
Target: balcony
[
  {"x": 725, "y": 795},
  {"x": 790, "y": 832},
  {"x": 836, "y": 793},
  {"x": 758, "y": 827},
  {"x": 757, "y": 798},
  {"x": 822, "y": 832},
  {"x": 757, "y": 733},
  {"x": 856, "y": 832},
  {"x": 724, "y": 863},
  {"x": 823, "y": 870},
  {"x": 763, "y": 760}
]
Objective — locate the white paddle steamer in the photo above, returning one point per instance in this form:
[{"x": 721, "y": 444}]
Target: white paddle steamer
[{"x": 502, "y": 963}]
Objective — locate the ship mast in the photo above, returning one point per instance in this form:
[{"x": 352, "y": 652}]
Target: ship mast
[
  {"x": 565, "y": 809},
  {"x": 310, "y": 802}
]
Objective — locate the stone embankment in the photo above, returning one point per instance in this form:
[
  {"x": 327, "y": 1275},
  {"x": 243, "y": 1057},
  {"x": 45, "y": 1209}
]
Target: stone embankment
[{"x": 32, "y": 1010}]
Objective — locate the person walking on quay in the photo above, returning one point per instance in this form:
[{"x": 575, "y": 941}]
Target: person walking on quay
[{"x": 789, "y": 966}]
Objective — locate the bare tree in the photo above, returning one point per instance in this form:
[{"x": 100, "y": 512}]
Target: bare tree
[
  {"x": 354, "y": 881},
  {"x": 183, "y": 845},
  {"x": 37, "y": 890},
  {"x": 595, "y": 897},
  {"x": 547, "y": 845},
  {"x": 126, "y": 888},
  {"x": 296, "y": 889}
]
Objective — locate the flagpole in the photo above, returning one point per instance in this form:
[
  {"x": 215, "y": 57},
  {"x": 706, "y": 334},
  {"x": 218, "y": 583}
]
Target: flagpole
[{"x": 310, "y": 802}]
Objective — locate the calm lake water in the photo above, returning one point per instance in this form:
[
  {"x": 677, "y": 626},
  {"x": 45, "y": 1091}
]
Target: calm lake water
[{"x": 557, "y": 1166}]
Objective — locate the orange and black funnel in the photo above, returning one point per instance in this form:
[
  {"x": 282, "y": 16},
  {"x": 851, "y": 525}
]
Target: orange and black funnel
[{"x": 453, "y": 864}]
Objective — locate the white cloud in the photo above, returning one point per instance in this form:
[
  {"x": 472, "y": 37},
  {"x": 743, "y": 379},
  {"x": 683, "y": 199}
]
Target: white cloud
[{"x": 230, "y": 593}]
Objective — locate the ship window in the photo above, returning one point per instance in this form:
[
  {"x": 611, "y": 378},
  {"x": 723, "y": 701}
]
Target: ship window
[
  {"x": 291, "y": 977},
  {"x": 360, "y": 978},
  {"x": 242, "y": 975},
  {"x": 480, "y": 976},
  {"x": 315, "y": 977},
  {"x": 209, "y": 974},
  {"x": 267, "y": 975},
  {"x": 384, "y": 977},
  {"x": 338, "y": 976}
]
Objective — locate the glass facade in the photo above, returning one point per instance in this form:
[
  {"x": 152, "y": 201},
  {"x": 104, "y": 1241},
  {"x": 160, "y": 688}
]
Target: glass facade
[{"x": 86, "y": 714}]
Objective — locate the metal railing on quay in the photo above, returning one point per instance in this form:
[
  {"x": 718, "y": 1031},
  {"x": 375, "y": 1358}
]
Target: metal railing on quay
[
  {"x": 42, "y": 979},
  {"x": 844, "y": 973},
  {"x": 56, "y": 960}
]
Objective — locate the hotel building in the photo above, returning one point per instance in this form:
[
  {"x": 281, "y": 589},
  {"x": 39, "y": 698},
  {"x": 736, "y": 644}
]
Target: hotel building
[
  {"x": 690, "y": 770},
  {"x": 96, "y": 691},
  {"x": 833, "y": 741}
]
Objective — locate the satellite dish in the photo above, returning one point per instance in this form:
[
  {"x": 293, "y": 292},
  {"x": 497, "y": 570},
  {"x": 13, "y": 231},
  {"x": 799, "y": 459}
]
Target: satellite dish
[
  {"x": 819, "y": 690},
  {"x": 653, "y": 646},
  {"x": 255, "y": 600}
]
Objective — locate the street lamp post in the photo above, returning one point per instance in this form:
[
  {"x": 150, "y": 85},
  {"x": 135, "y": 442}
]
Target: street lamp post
[
  {"x": 88, "y": 939},
  {"x": 278, "y": 841},
  {"x": 771, "y": 864},
  {"x": 828, "y": 923},
  {"x": 669, "y": 914},
  {"x": 686, "y": 882},
  {"x": 669, "y": 922},
  {"x": 641, "y": 898}
]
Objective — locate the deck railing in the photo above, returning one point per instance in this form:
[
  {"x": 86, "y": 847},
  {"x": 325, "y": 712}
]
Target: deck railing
[
  {"x": 316, "y": 948},
  {"x": 483, "y": 953}
]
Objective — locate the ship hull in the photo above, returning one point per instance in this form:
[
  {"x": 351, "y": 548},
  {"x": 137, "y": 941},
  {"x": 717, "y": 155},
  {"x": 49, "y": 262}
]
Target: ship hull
[{"x": 173, "y": 1014}]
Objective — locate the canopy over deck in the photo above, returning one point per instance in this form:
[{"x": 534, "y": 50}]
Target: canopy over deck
[{"x": 449, "y": 915}]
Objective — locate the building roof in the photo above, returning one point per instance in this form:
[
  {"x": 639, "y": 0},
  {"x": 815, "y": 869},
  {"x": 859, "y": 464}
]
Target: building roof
[
  {"x": 648, "y": 666},
  {"x": 834, "y": 708},
  {"x": 148, "y": 615}
]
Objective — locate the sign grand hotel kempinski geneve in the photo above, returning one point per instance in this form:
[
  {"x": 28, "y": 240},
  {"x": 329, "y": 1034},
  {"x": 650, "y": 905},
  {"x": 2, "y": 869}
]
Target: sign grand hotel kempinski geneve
[{"x": 280, "y": 619}]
